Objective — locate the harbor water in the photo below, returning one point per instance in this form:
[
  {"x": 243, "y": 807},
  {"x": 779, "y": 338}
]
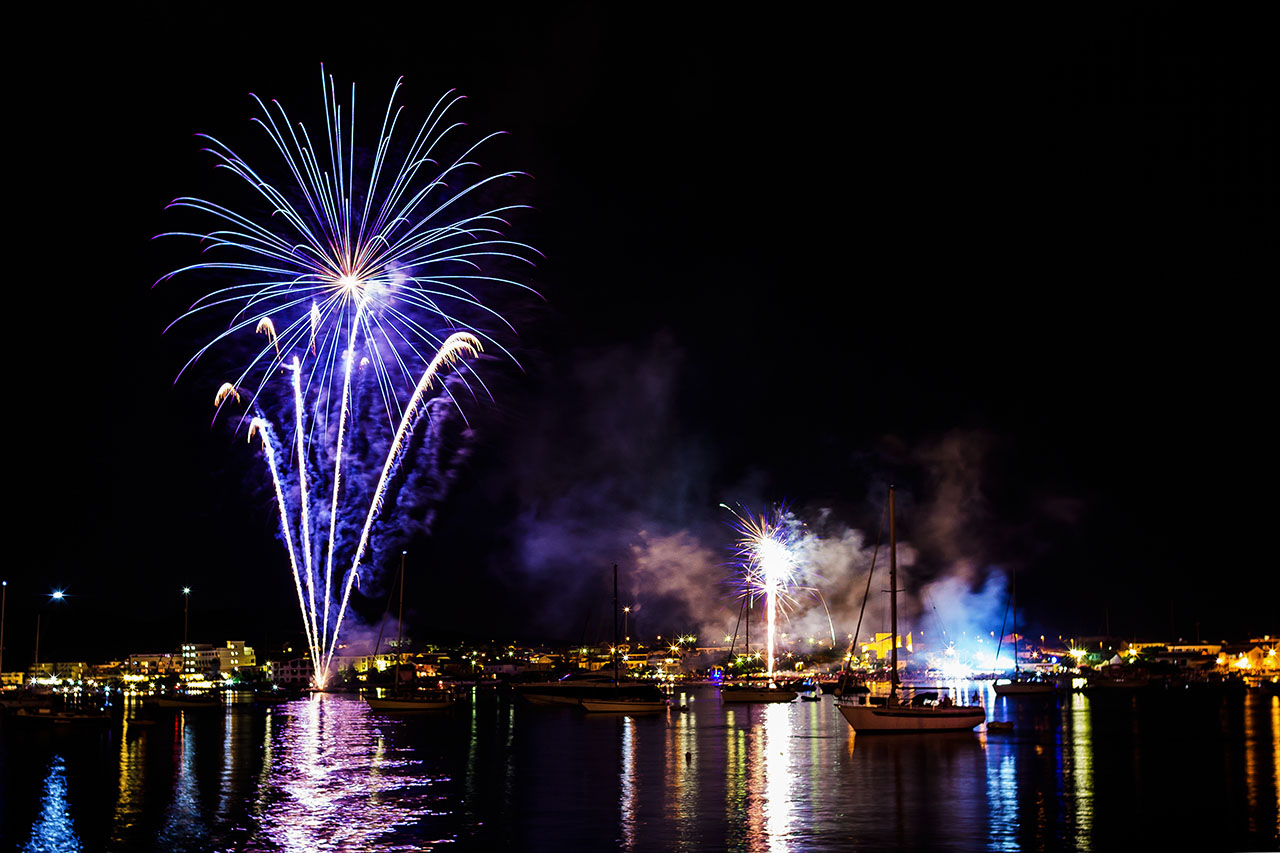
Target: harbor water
[{"x": 1188, "y": 770}]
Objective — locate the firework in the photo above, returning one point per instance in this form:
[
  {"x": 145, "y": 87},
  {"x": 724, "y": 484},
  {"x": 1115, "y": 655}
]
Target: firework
[
  {"x": 346, "y": 265},
  {"x": 768, "y": 554}
]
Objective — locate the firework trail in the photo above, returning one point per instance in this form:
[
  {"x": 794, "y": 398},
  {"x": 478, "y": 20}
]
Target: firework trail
[
  {"x": 768, "y": 554},
  {"x": 375, "y": 266}
]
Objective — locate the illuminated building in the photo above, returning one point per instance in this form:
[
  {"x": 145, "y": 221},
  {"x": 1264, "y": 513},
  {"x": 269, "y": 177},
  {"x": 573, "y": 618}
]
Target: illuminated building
[
  {"x": 160, "y": 663},
  {"x": 235, "y": 655},
  {"x": 199, "y": 659},
  {"x": 881, "y": 645}
]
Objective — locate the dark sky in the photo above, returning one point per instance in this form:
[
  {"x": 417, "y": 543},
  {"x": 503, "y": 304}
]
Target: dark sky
[{"x": 1016, "y": 265}]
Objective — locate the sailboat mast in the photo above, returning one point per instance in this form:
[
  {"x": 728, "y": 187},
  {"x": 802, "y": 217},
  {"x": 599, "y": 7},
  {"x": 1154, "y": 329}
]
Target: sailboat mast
[
  {"x": 1013, "y": 598},
  {"x": 615, "y": 623},
  {"x": 893, "y": 599},
  {"x": 399, "y": 627}
]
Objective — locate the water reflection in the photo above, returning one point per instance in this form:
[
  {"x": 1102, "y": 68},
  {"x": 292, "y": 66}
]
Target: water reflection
[
  {"x": 1002, "y": 798},
  {"x": 1274, "y": 701},
  {"x": 183, "y": 827},
  {"x": 326, "y": 773},
  {"x": 53, "y": 831},
  {"x": 132, "y": 784},
  {"x": 776, "y": 745},
  {"x": 1077, "y": 767},
  {"x": 335, "y": 784},
  {"x": 681, "y": 750},
  {"x": 627, "y": 796}
]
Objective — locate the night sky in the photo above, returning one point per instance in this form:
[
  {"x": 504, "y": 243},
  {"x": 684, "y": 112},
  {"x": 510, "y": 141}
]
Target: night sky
[{"x": 1015, "y": 265}]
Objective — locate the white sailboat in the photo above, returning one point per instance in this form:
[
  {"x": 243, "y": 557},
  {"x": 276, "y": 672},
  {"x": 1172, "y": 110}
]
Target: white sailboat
[
  {"x": 615, "y": 700},
  {"x": 416, "y": 700},
  {"x": 921, "y": 714},
  {"x": 768, "y": 691},
  {"x": 1020, "y": 685}
]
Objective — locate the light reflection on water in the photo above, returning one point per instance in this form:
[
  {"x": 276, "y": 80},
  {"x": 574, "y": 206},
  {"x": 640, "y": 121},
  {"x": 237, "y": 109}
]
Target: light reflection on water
[
  {"x": 327, "y": 773},
  {"x": 54, "y": 831},
  {"x": 336, "y": 784}
]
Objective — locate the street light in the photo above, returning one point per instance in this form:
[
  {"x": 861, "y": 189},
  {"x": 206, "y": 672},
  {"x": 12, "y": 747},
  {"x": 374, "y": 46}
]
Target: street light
[
  {"x": 186, "y": 602},
  {"x": 4, "y": 597},
  {"x": 626, "y": 611},
  {"x": 56, "y": 595}
]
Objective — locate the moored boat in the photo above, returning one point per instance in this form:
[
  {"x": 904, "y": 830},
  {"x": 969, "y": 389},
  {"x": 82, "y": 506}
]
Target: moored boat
[
  {"x": 623, "y": 705},
  {"x": 1019, "y": 684},
  {"x": 925, "y": 712},
  {"x": 62, "y": 717},
  {"x": 421, "y": 700},
  {"x": 415, "y": 699},
  {"x": 188, "y": 701},
  {"x": 756, "y": 693},
  {"x": 568, "y": 689}
]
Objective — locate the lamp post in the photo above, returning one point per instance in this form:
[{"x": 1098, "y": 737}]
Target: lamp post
[
  {"x": 186, "y": 604},
  {"x": 56, "y": 595},
  {"x": 626, "y": 611},
  {"x": 4, "y": 599}
]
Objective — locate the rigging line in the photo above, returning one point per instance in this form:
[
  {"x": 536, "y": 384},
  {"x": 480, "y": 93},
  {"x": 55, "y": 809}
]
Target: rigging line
[
  {"x": 386, "y": 613},
  {"x": 1000, "y": 642},
  {"x": 870, "y": 572},
  {"x": 736, "y": 626},
  {"x": 937, "y": 620}
]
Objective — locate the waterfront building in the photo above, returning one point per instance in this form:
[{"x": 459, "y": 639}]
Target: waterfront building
[
  {"x": 235, "y": 656},
  {"x": 882, "y": 645},
  {"x": 199, "y": 659},
  {"x": 296, "y": 672},
  {"x": 50, "y": 671},
  {"x": 154, "y": 663}
]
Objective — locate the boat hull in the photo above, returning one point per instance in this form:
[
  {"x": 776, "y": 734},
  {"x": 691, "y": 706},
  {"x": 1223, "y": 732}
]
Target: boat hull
[
  {"x": 1024, "y": 688},
  {"x": 569, "y": 692},
  {"x": 756, "y": 694},
  {"x": 623, "y": 706},
  {"x": 187, "y": 704},
  {"x": 62, "y": 718},
  {"x": 405, "y": 703},
  {"x": 879, "y": 718}
]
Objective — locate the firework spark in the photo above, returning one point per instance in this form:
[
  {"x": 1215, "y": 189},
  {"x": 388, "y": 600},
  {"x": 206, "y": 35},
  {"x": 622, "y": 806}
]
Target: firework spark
[
  {"x": 376, "y": 264},
  {"x": 225, "y": 391},
  {"x": 768, "y": 556}
]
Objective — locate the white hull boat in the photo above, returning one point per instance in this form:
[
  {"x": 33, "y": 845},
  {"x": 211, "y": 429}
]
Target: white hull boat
[
  {"x": 437, "y": 700},
  {"x": 907, "y": 718},
  {"x": 923, "y": 713},
  {"x": 623, "y": 705},
  {"x": 753, "y": 693}
]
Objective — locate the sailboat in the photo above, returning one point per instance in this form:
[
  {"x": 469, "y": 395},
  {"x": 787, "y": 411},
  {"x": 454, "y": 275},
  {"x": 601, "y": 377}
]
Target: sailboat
[
  {"x": 1019, "y": 685},
  {"x": 417, "y": 700},
  {"x": 618, "y": 701},
  {"x": 768, "y": 692},
  {"x": 921, "y": 713}
]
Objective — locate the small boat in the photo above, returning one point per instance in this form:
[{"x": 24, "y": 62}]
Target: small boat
[
  {"x": 1020, "y": 685},
  {"x": 810, "y": 697},
  {"x": 756, "y": 693},
  {"x": 568, "y": 689},
  {"x": 65, "y": 717},
  {"x": 1125, "y": 680},
  {"x": 420, "y": 700},
  {"x": 188, "y": 701},
  {"x": 415, "y": 699},
  {"x": 597, "y": 691},
  {"x": 623, "y": 705},
  {"x": 999, "y": 726},
  {"x": 924, "y": 713}
]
